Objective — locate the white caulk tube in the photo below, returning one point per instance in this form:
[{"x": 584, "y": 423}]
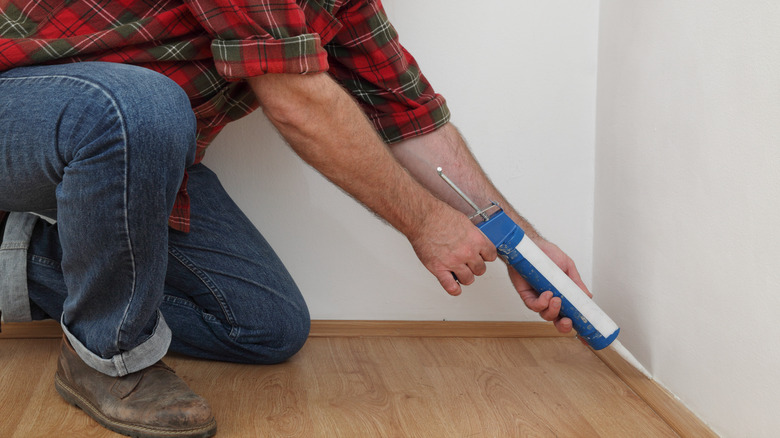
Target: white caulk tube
[{"x": 590, "y": 322}]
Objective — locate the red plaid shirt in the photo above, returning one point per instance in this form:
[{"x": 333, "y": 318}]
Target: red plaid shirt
[{"x": 209, "y": 46}]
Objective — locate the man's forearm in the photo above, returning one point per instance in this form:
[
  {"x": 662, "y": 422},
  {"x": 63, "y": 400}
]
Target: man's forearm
[
  {"x": 327, "y": 129},
  {"x": 447, "y": 149}
]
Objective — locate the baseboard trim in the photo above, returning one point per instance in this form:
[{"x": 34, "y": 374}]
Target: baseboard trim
[
  {"x": 669, "y": 408},
  {"x": 433, "y": 329},
  {"x": 31, "y": 330},
  {"x": 353, "y": 328}
]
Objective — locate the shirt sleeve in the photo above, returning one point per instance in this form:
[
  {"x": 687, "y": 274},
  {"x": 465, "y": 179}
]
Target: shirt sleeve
[
  {"x": 255, "y": 37},
  {"x": 367, "y": 58}
]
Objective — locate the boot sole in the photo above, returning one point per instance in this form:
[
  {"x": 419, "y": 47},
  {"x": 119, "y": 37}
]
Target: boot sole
[{"x": 73, "y": 397}]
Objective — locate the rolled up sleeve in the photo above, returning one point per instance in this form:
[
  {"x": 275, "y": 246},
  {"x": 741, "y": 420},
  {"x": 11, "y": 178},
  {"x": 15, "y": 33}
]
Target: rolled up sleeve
[
  {"x": 367, "y": 58},
  {"x": 252, "y": 38}
]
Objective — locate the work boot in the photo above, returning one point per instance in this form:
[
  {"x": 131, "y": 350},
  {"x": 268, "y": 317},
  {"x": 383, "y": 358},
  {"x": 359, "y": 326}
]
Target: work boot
[{"x": 153, "y": 402}]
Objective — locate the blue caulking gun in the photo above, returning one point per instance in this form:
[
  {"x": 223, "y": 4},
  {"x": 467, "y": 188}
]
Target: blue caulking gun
[{"x": 591, "y": 323}]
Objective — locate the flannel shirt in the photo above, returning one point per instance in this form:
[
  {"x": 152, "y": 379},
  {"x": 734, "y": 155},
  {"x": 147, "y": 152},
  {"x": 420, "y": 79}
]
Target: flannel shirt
[{"x": 209, "y": 46}]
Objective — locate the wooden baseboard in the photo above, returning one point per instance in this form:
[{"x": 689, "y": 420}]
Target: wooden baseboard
[
  {"x": 671, "y": 410},
  {"x": 353, "y": 328},
  {"x": 666, "y": 405},
  {"x": 31, "y": 330},
  {"x": 433, "y": 329}
]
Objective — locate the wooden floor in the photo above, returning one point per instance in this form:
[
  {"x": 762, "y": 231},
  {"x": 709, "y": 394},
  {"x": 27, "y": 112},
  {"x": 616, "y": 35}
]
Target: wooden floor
[{"x": 374, "y": 386}]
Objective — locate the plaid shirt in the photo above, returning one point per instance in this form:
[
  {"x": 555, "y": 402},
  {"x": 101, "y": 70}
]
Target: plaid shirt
[{"x": 209, "y": 46}]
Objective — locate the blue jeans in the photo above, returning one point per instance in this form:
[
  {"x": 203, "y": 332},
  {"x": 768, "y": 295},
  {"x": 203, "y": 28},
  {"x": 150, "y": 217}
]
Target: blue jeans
[{"x": 102, "y": 148}]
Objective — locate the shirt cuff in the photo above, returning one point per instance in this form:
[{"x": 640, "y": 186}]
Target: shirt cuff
[
  {"x": 394, "y": 127},
  {"x": 240, "y": 59}
]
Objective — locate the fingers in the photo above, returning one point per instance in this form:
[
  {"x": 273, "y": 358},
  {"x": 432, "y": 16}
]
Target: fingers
[
  {"x": 462, "y": 268},
  {"x": 553, "y": 309},
  {"x": 489, "y": 253},
  {"x": 463, "y": 275},
  {"x": 545, "y": 305},
  {"x": 563, "y": 325},
  {"x": 549, "y": 309},
  {"x": 456, "y": 248},
  {"x": 476, "y": 267},
  {"x": 552, "y": 313},
  {"x": 449, "y": 283}
]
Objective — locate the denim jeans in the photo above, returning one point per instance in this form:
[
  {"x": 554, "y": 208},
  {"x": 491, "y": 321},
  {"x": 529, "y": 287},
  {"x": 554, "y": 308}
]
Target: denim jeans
[{"x": 102, "y": 148}]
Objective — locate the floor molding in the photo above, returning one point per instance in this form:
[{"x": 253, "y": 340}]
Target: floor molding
[
  {"x": 31, "y": 330},
  {"x": 433, "y": 329},
  {"x": 666, "y": 405},
  {"x": 669, "y": 408},
  {"x": 353, "y": 328}
]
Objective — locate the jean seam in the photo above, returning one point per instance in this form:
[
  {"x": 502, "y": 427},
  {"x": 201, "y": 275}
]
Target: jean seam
[
  {"x": 117, "y": 108},
  {"x": 235, "y": 331},
  {"x": 190, "y": 306},
  {"x": 125, "y": 203}
]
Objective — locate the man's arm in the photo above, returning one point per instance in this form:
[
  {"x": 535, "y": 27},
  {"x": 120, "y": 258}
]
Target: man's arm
[
  {"x": 445, "y": 147},
  {"x": 325, "y": 126},
  {"x": 328, "y": 130}
]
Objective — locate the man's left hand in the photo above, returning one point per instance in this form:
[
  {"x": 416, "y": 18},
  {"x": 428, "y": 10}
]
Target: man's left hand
[{"x": 545, "y": 304}]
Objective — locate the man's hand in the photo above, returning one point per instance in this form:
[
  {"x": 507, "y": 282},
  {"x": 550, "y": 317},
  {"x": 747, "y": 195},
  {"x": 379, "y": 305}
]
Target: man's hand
[
  {"x": 448, "y": 244},
  {"x": 547, "y": 306}
]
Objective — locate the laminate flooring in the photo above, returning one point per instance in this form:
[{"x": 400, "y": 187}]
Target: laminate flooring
[{"x": 369, "y": 387}]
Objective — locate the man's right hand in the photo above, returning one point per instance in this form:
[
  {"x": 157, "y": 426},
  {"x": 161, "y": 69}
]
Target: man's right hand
[{"x": 452, "y": 248}]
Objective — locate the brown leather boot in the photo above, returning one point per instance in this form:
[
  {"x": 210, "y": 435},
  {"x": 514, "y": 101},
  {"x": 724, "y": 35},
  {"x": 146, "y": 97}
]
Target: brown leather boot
[{"x": 153, "y": 402}]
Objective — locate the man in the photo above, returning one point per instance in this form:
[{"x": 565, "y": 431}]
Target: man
[{"x": 105, "y": 114}]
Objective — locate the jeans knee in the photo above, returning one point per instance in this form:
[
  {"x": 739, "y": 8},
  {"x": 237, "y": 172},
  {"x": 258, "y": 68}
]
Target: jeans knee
[
  {"x": 295, "y": 335},
  {"x": 151, "y": 110},
  {"x": 158, "y": 114},
  {"x": 279, "y": 341}
]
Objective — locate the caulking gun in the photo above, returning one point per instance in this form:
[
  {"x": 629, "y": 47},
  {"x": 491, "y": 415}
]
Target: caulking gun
[{"x": 591, "y": 323}]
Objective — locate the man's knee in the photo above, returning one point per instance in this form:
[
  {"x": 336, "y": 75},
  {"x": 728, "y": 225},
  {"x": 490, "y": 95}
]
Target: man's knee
[
  {"x": 279, "y": 339},
  {"x": 150, "y": 110}
]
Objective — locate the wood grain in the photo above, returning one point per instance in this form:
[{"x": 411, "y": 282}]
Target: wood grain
[
  {"x": 383, "y": 378},
  {"x": 674, "y": 413},
  {"x": 370, "y": 387}
]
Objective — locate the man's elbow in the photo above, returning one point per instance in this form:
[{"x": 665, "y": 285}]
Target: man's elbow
[{"x": 291, "y": 100}]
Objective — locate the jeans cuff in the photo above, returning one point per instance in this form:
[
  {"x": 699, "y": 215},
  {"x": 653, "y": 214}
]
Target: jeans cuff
[
  {"x": 142, "y": 356},
  {"x": 14, "y": 299}
]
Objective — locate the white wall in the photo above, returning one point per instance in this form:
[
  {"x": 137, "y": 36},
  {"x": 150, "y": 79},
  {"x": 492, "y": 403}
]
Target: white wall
[
  {"x": 688, "y": 200},
  {"x": 521, "y": 86},
  {"x": 687, "y": 182}
]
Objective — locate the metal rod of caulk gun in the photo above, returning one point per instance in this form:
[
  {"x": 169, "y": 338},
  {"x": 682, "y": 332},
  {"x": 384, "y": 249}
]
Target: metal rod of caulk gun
[{"x": 462, "y": 195}]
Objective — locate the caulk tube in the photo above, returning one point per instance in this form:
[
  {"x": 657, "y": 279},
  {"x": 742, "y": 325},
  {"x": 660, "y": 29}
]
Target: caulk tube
[{"x": 590, "y": 322}]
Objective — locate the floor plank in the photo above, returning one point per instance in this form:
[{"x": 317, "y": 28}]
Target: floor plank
[{"x": 370, "y": 387}]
